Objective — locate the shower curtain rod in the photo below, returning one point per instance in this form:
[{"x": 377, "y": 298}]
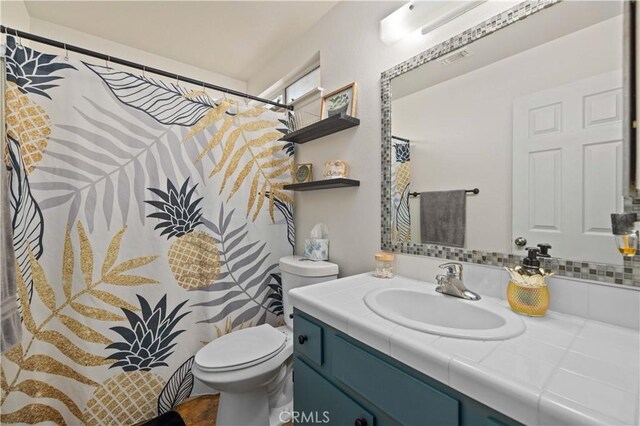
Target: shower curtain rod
[
  {"x": 144, "y": 68},
  {"x": 400, "y": 139}
]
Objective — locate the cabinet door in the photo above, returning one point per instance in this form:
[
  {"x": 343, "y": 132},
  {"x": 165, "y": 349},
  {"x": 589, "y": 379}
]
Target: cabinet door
[
  {"x": 402, "y": 396},
  {"x": 307, "y": 339},
  {"x": 316, "y": 401}
]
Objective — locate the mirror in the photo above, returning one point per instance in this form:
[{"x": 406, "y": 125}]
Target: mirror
[{"x": 528, "y": 119}]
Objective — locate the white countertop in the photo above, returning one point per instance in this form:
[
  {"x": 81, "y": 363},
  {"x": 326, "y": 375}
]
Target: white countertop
[{"x": 564, "y": 370}]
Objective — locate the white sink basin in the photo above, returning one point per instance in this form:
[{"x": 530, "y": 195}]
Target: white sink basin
[{"x": 435, "y": 313}]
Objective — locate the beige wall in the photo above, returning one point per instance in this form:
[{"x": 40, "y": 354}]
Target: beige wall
[
  {"x": 98, "y": 44},
  {"x": 14, "y": 14},
  {"x": 347, "y": 39}
]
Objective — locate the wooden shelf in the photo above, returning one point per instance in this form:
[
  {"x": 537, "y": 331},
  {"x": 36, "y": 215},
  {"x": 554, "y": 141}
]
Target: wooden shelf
[
  {"x": 321, "y": 128},
  {"x": 322, "y": 184}
]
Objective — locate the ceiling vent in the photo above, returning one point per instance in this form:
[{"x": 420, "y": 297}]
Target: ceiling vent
[{"x": 455, "y": 56}]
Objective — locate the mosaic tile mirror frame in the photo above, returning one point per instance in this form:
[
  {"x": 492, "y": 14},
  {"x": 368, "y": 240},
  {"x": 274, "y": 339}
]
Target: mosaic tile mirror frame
[{"x": 627, "y": 274}]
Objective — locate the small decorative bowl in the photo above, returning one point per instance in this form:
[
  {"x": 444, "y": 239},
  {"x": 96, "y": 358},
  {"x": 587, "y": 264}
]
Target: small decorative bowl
[
  {"x": 531, "y": 301},
  {"x": 335, "y": 169}
]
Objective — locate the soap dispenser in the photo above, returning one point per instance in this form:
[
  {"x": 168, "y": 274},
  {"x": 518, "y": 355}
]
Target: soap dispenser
[
  {"x": 531, "y": 263},
  {"x": 527, "y": 292},
  {"x": 544, "y": 250}
]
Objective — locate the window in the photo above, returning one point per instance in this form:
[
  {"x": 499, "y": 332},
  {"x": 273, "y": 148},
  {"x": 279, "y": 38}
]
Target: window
[{"x": 302, "y": 86}]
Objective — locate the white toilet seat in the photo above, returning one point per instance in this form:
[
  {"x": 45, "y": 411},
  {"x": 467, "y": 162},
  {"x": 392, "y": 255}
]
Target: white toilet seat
[
  {"x": 258, "y": 372},
  {"x": 241, "y": 349},
  {"x": 246, "y": 364}
]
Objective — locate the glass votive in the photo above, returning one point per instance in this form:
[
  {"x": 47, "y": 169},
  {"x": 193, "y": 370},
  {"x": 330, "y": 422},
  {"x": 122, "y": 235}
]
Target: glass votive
[
  {"x": 623, "y": 226},
  {"x": 627, "y": 243},
  {"x": 384, "y": 265}
]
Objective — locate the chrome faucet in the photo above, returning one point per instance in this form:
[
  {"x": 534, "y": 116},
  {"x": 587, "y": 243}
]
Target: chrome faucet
[{"x": 451, "y": 283}]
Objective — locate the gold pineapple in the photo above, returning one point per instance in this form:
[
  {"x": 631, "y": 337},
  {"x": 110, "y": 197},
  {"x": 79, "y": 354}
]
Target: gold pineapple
[
  {"x": 194, "y": 259},
  {"x": 193, "y": 256},
  {"x": 125, "y": 399},
  {"x": 131, "y": 396},
  {"x": 402, "y": 168},
  {"x": 29, "y": 72},
  {"x": 28, "y": 123},
  {"x": 402, "y": 176},
  {"x": 402, "y": 172}
]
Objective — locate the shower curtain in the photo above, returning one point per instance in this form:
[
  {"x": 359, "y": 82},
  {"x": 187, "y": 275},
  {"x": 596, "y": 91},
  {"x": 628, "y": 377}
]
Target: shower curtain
[
  {"x": 148, "y": 220},
  {"x": 400, "y": 174}
]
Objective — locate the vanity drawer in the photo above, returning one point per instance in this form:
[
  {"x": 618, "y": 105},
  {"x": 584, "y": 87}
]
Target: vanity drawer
[
  {"x": 317, "y": 401},
  {"x": 406, "y": 399},
  {"x": 307, "y": 339}
]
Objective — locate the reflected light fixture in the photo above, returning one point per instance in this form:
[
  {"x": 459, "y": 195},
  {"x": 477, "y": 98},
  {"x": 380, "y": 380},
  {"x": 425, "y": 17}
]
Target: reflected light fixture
[{"x": 426, "y": 15}]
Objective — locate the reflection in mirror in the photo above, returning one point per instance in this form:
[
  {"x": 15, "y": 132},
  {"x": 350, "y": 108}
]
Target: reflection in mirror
[{"x": 531, "y": 115}]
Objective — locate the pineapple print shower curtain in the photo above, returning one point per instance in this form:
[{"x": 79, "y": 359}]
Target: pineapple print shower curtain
[
  {"x": 148, "y": 220},
  {"x": 400, "y": 174}
]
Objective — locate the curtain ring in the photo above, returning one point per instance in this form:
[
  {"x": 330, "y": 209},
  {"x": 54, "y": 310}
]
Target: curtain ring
[
  {"x": 66, "y": 52},
  {"x": 177, "y": 81},
  {"x": 18, "y": 40},
  {"x": 144, "y": 68},
  {"x": 107, "y": 62}
]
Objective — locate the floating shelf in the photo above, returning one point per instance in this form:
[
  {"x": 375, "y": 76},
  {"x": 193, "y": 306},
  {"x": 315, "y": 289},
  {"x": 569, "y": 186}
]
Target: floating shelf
[
  {"x": 322, "y": 184},
  {"x": 321, "y": 128}
]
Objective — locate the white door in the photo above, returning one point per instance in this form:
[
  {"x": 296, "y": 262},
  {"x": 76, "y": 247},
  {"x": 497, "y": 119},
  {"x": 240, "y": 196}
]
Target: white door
[{"x": 567, "y": 167}]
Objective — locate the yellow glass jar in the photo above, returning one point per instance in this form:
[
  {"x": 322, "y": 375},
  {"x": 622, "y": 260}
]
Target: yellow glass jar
[{"x": 531, "y": 301}]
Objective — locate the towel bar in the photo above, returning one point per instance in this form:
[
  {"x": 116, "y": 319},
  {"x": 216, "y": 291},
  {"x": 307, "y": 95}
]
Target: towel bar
[{"x": 473, "y": 191}]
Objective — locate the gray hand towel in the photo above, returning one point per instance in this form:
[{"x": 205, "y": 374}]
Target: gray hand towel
[
  {"x": 10, "y": 326},
  {"x": 443, "y": 217}
]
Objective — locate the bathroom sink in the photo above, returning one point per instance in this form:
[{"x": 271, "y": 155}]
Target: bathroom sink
[{"x": 435, "y": 313}]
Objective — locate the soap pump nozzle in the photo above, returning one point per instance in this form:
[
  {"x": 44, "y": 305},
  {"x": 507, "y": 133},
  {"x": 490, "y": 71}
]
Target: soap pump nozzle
[
  {"x": 531, "y": 263},
  {"x": 544, "y": 250}
]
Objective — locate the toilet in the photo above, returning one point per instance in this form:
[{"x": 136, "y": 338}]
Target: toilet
[{"x": 251, "y": 368}]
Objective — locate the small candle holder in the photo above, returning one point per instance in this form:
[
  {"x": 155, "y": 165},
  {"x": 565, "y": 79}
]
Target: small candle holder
[
  {"x": 335, "y": 169},
  {"x": 626, "y": 236}
]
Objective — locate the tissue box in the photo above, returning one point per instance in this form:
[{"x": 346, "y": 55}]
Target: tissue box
[{"x": 316, "y": 249}]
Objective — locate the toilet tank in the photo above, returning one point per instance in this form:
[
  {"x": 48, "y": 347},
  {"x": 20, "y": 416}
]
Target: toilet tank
[{"x": 299, "y": 272}]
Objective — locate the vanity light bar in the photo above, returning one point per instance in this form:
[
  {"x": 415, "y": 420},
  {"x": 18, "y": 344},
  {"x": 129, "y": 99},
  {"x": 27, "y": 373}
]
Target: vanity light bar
[
  {"x": 426, "y": 15},
  {"x": 455, "y": 9}
]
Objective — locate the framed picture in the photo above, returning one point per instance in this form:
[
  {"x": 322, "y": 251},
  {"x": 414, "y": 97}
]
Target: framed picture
[
  {"x": 303, "y": 173},
  {"x": 342, "y": 100}
]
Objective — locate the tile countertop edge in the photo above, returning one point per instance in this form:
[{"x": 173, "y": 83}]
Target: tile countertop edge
[{"x": 518, "y": 399}]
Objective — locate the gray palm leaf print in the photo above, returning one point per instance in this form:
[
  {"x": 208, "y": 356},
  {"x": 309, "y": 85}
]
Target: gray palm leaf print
[
  {"x": 116, "y": 156},
  {"x": 242, "y": 287}
]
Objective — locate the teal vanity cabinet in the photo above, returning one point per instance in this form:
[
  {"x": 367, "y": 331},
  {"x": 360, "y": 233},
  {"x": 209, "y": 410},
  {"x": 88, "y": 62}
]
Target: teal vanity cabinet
[{"x": 341, "y": 381}]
